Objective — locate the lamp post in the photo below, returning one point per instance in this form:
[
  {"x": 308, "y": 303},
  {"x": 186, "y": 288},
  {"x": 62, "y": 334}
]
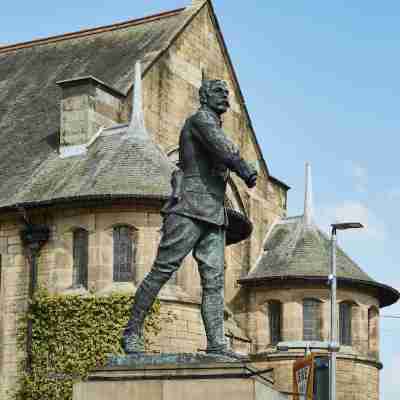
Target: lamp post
[{"x": 334, "y": 345}]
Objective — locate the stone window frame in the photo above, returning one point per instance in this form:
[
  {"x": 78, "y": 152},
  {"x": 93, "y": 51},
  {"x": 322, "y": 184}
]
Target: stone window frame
[
  {"x": 66, "y": 246},
  {"x": 80, "y": 258},
  {"x": 275, "y": 319},
  {"x": 131, "y": 253},
  {"x": 373, "y": 329},
  {"x": 316, "y": 322},
  {"x": 346, "y": 325}
]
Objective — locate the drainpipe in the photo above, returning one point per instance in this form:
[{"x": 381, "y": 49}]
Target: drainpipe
[{"x": 33, "y": 237}]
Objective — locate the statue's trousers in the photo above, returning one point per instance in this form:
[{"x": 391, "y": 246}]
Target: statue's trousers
[{"x": 181, "y": 235}]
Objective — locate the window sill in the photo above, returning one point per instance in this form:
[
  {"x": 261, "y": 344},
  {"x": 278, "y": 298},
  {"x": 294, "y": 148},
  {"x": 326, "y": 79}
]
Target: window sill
[
  {"x": 347, "y": 349},
  {"x": 118, "y": 287},
  {"x": 76, "y": 290}
]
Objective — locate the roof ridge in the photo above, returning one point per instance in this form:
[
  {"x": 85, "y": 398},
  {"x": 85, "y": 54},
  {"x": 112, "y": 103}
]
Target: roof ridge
[{"x": 90, "y": 31}]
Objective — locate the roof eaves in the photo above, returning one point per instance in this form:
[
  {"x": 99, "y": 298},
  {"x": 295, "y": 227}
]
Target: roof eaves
[
  {"x": 194, "y": 11},
  {"x": 89, "y": 32},
  {"x": 387, "y": 295},
  {"x": 279, "y": 182},
  {"x": 69, "y": 199},
  {"x": 161, "y": 52}
]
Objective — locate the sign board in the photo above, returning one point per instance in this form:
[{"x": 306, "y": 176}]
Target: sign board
[{"x": 303, "y": 378}]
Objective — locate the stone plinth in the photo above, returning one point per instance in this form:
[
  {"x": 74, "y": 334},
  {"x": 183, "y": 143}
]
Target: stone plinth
[{"x": 196, "y": 377}]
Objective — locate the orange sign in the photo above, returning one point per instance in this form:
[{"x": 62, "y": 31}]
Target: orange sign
[{"x": 303, "y": 378}]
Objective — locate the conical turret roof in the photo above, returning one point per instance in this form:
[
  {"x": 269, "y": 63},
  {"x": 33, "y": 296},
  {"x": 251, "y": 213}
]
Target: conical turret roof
[{"x": 296, "y": 249}]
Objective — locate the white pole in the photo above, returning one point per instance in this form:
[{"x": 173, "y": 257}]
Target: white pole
[{"x": 333, "y": 327}]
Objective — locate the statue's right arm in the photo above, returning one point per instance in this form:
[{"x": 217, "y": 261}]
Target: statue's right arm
[{"x": 220, "y": 146}]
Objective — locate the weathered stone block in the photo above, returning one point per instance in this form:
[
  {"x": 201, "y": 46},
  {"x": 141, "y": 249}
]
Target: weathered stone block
[{"x": 217, "y": 380}]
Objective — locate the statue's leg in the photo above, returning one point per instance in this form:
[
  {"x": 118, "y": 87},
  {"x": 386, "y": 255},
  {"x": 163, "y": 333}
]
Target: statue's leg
[
  {"x": 179, "y": 236},
  {"x": 209, "y": 253}
]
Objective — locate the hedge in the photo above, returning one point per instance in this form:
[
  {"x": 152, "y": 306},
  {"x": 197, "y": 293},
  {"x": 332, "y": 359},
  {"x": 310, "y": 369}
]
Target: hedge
[{"x": 71, "y": 335}]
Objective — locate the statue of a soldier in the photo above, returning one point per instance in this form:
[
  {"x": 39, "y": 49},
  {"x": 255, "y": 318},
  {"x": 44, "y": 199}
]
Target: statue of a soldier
[{"x": 195, "y": 218}]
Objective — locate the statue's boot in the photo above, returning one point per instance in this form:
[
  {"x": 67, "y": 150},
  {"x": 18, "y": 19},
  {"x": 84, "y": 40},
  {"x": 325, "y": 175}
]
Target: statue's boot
[
  {"x": 212, "y": 311},
  {"x": 133, "y": 343},
  {"x": 132, "y": 340},
  {"x": 229, "y": 354}
]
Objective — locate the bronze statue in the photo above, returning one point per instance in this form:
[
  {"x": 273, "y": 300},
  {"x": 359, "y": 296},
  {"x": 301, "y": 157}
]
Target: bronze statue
[{"x": 195, "y": 218}]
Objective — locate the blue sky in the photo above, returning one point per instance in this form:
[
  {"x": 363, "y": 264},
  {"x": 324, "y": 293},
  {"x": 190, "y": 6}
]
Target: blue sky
[{"x": 321, "y": 81}]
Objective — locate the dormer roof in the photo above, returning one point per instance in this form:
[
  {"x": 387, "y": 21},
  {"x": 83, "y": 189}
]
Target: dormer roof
[{"x": 116, "y": 165}]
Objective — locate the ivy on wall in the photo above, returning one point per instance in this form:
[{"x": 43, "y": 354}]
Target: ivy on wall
[{"x": 72, "y": 335}]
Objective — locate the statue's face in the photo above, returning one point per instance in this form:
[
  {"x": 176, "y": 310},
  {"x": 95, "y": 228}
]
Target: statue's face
[{"x": 218, "y": 97}]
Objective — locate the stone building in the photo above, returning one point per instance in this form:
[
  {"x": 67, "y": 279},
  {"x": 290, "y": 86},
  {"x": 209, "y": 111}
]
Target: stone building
[{"x": 75, "y": 158}]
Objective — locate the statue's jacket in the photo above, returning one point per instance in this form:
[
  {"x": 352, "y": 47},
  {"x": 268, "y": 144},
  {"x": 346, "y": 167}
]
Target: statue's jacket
[{"x": 206, "y": 155}]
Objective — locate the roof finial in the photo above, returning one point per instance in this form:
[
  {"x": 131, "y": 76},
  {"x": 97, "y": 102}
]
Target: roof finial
[
  {"x": 308, "y": 207},
  {"x": 136, "y": 126}
]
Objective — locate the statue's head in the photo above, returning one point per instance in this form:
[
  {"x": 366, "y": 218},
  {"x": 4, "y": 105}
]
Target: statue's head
[{"x": 215, "y": 94}]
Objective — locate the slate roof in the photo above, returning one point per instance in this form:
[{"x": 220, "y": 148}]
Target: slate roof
[
  {"x": 296, "y": 250},
  {"x": 30, "y": 168}
]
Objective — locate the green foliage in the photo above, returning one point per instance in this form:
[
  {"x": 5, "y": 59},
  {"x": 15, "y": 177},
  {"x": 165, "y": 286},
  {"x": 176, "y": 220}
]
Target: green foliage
[{"x": 71, "y": 336}]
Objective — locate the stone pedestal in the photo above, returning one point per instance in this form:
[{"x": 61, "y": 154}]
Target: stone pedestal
[{"x": 194, "y": 377}]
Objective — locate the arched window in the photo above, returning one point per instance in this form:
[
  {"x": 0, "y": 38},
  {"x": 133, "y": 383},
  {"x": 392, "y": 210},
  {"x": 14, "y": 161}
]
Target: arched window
[
  {"x": 345, "y": 318},
  {"x": 80, "y": 258},
  {"x": 311, "y": 319},
  {"x": 124, "y": 253},
  {"x": 373, "y": 336},
  {"x": 275, "y": 321}
]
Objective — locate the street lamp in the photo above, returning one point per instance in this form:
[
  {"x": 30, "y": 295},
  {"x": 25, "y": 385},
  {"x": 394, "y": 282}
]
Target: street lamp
[{"x": 334, "y": 345}]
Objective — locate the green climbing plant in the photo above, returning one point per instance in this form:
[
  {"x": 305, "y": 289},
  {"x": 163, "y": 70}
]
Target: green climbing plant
[{"x": 71, "y": 335}]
